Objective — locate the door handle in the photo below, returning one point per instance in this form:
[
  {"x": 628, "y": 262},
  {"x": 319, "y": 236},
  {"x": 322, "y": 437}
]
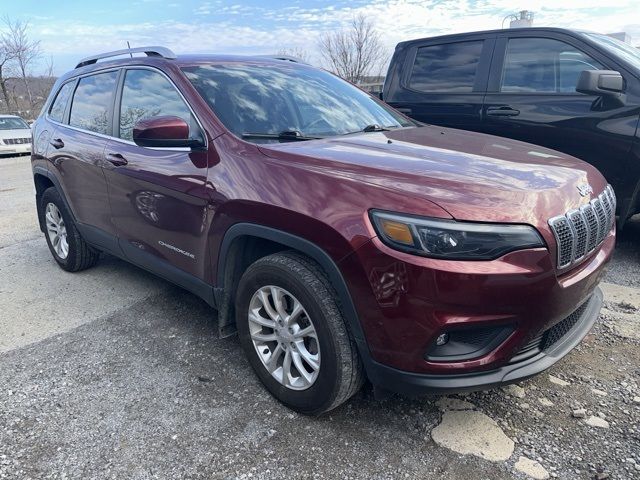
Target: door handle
[
  {"x": 504, "y": 111},
  {"x": 57, "y": 143},
  {"x": 116, "y": 159}
]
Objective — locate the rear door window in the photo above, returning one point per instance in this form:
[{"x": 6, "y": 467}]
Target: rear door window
[
  {"x": 449, "y": 67},
  {"x": 543, "y": 65},
  {"x": 60, "y": 103},
  {"x": 91, "y": 105}
]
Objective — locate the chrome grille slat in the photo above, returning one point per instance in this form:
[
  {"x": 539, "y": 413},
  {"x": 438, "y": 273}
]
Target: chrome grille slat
[
  {"x": 592, "y": 224},
  {"x": 606, "y": 203},
  {"x": 564, "y": 240},
  {"x": 602, "y": 218},
  {"x": 16, "y": 141},
  {"x": 580, "y": 232},
  {"x": 612, "y": 195}
]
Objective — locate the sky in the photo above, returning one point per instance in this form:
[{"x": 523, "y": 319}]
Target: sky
[{"x": 72, "y": 29}]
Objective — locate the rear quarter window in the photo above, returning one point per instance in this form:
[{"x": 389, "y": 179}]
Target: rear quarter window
[
  {"x": 450, "y": 67},
  {"x": 60, "y": 103}
]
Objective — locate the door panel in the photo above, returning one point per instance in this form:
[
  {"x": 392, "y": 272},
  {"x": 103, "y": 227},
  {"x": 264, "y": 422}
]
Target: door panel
[
  {"x": 78, "y": 163},
  {"x": 443, "y": 83},
  {"x": 158, "y": 204},
  {"x": 532, "y": 98},
  {"x": 158, "y": 197}
]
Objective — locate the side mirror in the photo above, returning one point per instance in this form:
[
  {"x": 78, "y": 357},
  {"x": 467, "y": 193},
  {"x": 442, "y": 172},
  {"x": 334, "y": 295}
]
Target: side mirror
[
  {"x": 600, "y": 83},
  {"x": 164, "y": 131}
]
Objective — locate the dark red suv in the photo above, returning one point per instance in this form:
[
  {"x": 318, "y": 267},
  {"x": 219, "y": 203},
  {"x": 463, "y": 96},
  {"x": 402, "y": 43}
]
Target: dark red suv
[{"x": 341, "y": 240}]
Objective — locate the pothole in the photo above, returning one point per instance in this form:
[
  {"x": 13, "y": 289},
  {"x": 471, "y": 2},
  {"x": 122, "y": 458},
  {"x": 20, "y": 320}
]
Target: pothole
[{"x": 470, "y": 432}]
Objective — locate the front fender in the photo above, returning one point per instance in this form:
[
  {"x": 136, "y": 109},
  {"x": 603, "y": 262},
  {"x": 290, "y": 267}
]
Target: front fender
[{"x": 304, "y": 246}]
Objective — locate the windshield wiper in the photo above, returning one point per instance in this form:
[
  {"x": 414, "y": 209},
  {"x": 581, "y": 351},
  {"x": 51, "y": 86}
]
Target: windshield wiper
[
  {"x": 374, "y": 127},
  {"x": 293, "y": 135}
]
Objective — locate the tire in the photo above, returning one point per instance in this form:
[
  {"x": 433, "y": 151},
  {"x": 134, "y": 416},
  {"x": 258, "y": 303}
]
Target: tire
[
  {"x": 79, "y": 255},
  {"x": 340, "y": 373}
]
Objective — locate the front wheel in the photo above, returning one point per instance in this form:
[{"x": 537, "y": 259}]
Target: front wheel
[{"x": 294, "y": 335}]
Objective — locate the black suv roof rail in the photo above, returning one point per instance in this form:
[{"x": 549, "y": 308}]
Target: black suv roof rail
[{"x": 163, "y": 52}]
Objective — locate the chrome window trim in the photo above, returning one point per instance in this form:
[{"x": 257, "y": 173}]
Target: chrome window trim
[{"x": 118, "y": 139}]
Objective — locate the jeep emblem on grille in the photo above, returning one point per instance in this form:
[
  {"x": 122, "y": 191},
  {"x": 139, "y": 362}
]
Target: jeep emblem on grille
[{"x": 585, "y": 189}]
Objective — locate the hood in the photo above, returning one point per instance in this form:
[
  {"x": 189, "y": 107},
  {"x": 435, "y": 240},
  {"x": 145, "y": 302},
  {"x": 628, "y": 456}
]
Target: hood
[
  {"x": 15, "y": 133},
  {"x": 472, "y": 176}
]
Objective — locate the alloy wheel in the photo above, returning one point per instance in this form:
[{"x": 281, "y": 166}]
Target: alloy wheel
[
  {"x": 56, "y": 230},
  {"x": 284, "y": 337}
]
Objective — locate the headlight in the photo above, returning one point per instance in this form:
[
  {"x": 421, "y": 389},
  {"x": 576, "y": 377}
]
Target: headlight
[{"x": 449, "y": 239}]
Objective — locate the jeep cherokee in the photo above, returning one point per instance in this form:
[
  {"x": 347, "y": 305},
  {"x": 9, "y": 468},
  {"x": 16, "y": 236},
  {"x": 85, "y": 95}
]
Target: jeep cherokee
[{"x": 340, "y": 239}]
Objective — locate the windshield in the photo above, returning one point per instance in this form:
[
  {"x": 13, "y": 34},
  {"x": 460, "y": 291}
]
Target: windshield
[
  {"x": 13, "y": 123},
  {"x": 616, "y": 47},
  {"x": 289, "y": 98}
]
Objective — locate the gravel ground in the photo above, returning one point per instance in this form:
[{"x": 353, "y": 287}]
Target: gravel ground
[
  {"x": 624, "y": 268},
  {"x": 144, "y": 389}
]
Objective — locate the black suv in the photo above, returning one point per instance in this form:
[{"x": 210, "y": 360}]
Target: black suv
[{"x": 575, "y": 92}]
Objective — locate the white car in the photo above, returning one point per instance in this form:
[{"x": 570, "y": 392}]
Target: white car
[{"x": 15, "y": 135}]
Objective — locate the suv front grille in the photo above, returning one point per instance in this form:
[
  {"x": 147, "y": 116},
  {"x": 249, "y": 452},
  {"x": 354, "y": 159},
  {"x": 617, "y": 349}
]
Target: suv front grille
[
  {"x": 17, "y": 141},
  {"x": 579, "y": 232},
  {"x": 560, "y": 329},
  {"x": 548, "y": 338}
]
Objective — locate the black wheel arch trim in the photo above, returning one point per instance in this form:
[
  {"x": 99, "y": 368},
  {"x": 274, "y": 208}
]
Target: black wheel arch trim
[
  {"x": 39, "y": 170},
  {"x": 308, "y": 248}
]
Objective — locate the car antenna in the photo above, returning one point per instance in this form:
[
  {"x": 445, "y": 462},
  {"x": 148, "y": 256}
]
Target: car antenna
[{"x": 129, "y": 47}]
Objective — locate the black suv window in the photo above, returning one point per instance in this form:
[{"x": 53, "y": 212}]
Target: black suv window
[
  {"x": 92, "y": 102},
  {"x": 450, "y": 67},
  {"x": 60, "y": 103},
  {"x": 146, "y": 94},
  {"x": 543, "y": 65}
]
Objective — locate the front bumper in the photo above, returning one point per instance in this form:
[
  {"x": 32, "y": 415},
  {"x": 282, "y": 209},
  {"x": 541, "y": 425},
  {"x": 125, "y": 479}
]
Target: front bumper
[
  {"x": 412, "y": 384},
  {"x": 15, "y": 149}
]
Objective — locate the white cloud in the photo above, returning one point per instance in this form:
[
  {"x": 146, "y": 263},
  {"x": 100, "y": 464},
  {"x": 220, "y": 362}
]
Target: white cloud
[{"x": 243, "y": 29}]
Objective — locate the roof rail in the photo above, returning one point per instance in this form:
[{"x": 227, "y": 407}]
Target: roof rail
[
  {"x": 286, "y": 58},
  {"x": 150, "y": 51}
]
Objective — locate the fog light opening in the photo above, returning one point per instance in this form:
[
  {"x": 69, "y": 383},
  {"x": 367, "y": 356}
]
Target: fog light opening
[{"x": 442, "y": 339}]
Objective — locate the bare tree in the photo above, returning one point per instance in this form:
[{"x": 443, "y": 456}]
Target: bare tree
[
  {"x": 354, "y": 52},
  {"x": 25, "y": 52},
  {"x": 6, "y": 57},
  {"x": 42, "y": 85}
]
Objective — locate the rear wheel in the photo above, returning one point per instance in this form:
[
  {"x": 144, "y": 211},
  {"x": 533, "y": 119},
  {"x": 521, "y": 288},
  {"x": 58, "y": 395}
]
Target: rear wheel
[
  {"x": 68, "y": 248},
  {"x": 294, "y": 335}
]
